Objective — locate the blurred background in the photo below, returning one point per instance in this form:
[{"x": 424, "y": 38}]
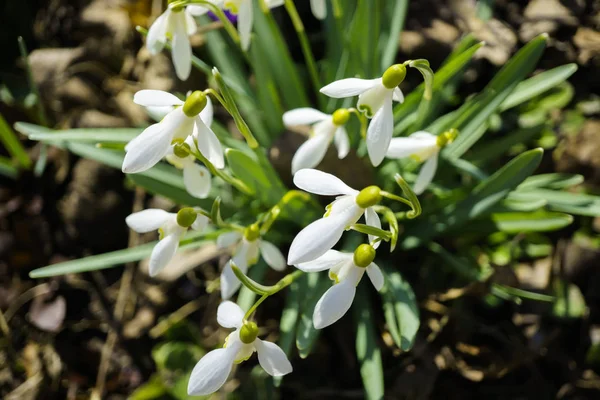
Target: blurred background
[{"x": 73, "y": 337}]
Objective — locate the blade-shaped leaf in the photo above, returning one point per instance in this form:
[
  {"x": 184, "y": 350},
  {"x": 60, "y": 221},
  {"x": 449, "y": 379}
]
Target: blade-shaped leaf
[{"x": 400, "y": 309}]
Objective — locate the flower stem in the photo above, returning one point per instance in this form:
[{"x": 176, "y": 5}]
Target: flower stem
[
  {"x": 238, "y": 184},
  {"x": 255, "y": 306}
]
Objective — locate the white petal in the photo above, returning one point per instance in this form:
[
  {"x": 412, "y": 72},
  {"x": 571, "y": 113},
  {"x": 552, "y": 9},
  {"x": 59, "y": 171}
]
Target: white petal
[
  {"x": 196, "y": 11},
  {"x": 398, "y": 95},
  {"x": 228, "y": 238},
  {"x": 207, "y": 114},
  {"x": 229, "y": 282},
  {"x": 373, "y": 220},
  {"x": 413, "y": 145},
  {"x": 157, "y": 34},
  {"x": 274, "y": 3},
  {"x": 349, "y": 87},
  {"x": 379, "y": 134},
  {"x": 319, "y": 182},
  {"x": 373, "y": 99},
  {"x": 319, "y": 8},
  {"x": 181, "y": 50},
  {"x": 209, "y": 145},
  {"x": 426, "y": 174},
  {"x": 334, "y": 304},
  {"x": 245, "y": 19},
  {"x": 242, "y": 254},
  {"x": 272, "y": 255},
  {"x": 190, "y": 23},
  {"x": 163, "y": 252},
  {"x": 330, "y": 259},
  {"x": 310, "y": 153},
  {"x": 345, "y": 205},
  {"x": 148, "y": 148},
  {"x": 230, "y": 315},
  {"x": 303, "y": 116},
  {"x": 200, "y": 223},
  {"x": 315, "y": 239},
  {"x": 158, "y": 113},
  {"x": 196, "y": 179},
  {"x": 148, "y": 220},
  {"x": 272, "y": 358},
  {"x": 342, "y": 142},
  {"x": 375, "y": 275},
  {"x": 155, "y": 98},
  {"x": 211, "y": 372}
]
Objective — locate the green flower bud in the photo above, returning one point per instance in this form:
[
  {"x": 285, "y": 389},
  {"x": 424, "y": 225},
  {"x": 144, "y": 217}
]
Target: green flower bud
[
  {"x": 251, "y": 233},
  {"x": 446, "y": 138},
  {"x": 368, "y": 197},
  {"x": 248, "y": 332},
  {"x": 182, "y": 149},
  {"x": 364, "y": 255},
  {"x": 341, "y": 116},
  {"x": 186, "y": 217},
  {"x": 194, "y": 104},
  {"x": 393, "y": 76}
]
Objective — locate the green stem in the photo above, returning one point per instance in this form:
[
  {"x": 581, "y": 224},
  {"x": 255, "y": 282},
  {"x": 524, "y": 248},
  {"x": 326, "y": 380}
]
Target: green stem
[
  {"x": 238, "y": 184},
  {"x": 305, "y": 44},
  {"x": 255, "y": 306},
  {"x": 392, "y": 196}
]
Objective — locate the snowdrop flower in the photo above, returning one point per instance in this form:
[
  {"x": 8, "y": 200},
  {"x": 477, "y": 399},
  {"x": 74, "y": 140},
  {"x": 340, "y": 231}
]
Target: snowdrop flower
[
  {"x": 375, "y": 100},
  {"x": 247, "y": 248},
  {"x": 321, "y": 235},
  {"x": 325, "y": 129},
  {"x": 211, "y": 372},
  {"x": 155, "y": 142},
  {"x": 244, "y": 11},
  {"x": 171, "y": 227},
  {"x": 423, "y": 147},
  {"x": 318, "y": 8},
  {"x": 177, "y": 24},
  {"x": 346, "y": 270}
]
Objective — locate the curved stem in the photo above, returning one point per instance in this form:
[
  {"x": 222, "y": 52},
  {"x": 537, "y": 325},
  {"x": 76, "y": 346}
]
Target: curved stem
[
  {"x": 255, "y": 306},
  {"x": 238, "y": 184}
]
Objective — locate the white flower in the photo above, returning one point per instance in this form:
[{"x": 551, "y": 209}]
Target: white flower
[
  {"x": 247, "y": 246},
  {"x": 423, "y": 147},
  {"x": 178, "y": 25},
  {"x": 321, "y": 235},
  {"x": 245, "y": 16},
  {"x": 346, "y": 270},
  {"x": 326, "y": 128},
  {"x": 319, "y": 8},
  {"x": 375, "y": 100},
  {"x": 171, "y": 226},
  {"x": 211, "y": 372},
  {"x": 155, "y": 142}
]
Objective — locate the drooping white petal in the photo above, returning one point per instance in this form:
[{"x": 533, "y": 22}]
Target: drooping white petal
[
  {"x": 190, "y": 23},
  {"x": 155, "y": 98},
  {"x": 319, "y": 8},
  {"x": 373, "y": 99},
  {"x": 330, "y": 259},
  {"x": 342, "y": 142},
  {"x": 319, "y": 182},
  {"x": 148, "y": 220},
  {"x": 415, "y": 144},
  {"x": 310, "y": 153},
  {"x": 376, "y": 276},
  {"x": 316, "y": 238},
  {"x": 211, "y": 372},
  {"x": 209, "y": 145},
  {"x": 181, "y": 49},
  {"x": 208, "y": 112},
  {"x": 158, "y": 113},
  {"x": 348, "y": 87},
  {"x": 372, "y": 219},
  {"x": 200, "y": 223},
  {"x": 196, "y": 179},
  {"x": 242, "y": 254},
  {"x": 398, "y": 95},
  {"x": 228, "y": 238},
  {"x": 245, "y": 20},
  {"x": 229, "y": 282},
  {"x": 334, "y": 304},
  {"x": 163, "y": 252},
  {"x": 230, "y": 315},
  {"x": 157, "y": 34},
  {"x": 197, "y": 11},
  {"x": 303, "y": 116},
  {"x": 426, "y": 174},
  {"x": 380, "y": 131},
  {"x": 345, "y": 205},
  {"x": 272, "y": 255},
  {"x": 272, "y": 358}
]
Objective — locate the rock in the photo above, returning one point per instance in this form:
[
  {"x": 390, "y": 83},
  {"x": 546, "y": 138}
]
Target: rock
[
  {"x": 588, "y": 42},
  {"x": 580, "y": 153}
]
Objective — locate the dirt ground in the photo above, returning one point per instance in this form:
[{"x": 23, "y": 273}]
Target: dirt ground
[{"x": 71, "y": 336}]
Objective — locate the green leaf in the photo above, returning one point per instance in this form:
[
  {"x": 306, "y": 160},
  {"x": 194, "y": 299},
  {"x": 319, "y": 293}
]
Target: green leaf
[
  {"x": 8, "y": 169},
  {"x": 306, "y": 334},
  {"x": 154, "y": 389},
  {"x": 551, "y": 181},
  {"x": 367, "y": 348},
  {"x": 176, "y": 356},
  {"x": 114, "y": 258},
  {"x": 493, "y": 149},
  {"x": 570, "y": 302},
  {"x": 465, "y": 268},
  {"x": 572, "y": 203},
  {"x": 168, "y": 190},
  {"x": 95, "y": 135},
  {"x": 541, "y": 221},
  {"x": 251, "y": 173},
  {"x": 289, "y": 318},
  {"x": 398, "y": 16},
  {"x": 12, "y": 144},
  {"x": 398, "y": 296}
]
